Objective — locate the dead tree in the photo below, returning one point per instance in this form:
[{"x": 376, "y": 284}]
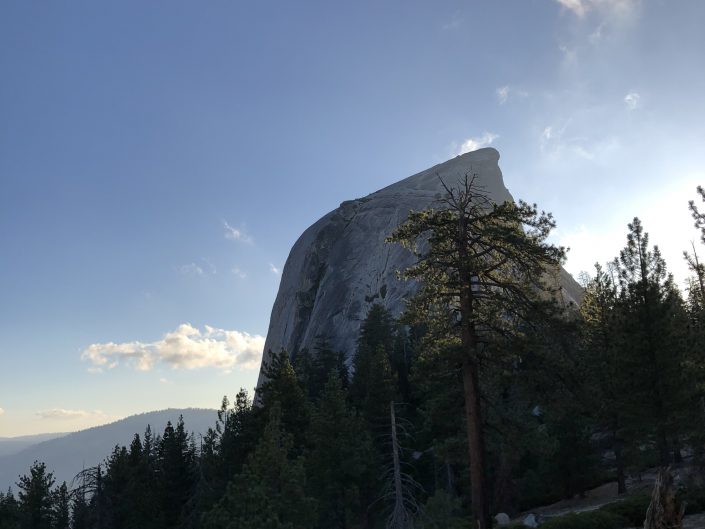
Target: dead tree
[
  {"x": 665, "y": 510},
  {"x": 400, "y": 485}
]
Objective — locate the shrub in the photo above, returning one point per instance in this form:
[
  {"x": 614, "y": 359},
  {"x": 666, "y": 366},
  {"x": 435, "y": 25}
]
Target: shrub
[
  {"x": 632, "y": 509},
  {"x": 586, "y": 520},
  {"x": 444, "y": 511}
]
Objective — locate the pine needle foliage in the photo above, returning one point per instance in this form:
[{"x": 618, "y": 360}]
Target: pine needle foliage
[{"x": 485, "y": 270}]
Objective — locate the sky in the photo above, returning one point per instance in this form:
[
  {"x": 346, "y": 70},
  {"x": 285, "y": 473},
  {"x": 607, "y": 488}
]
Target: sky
[{"x": 159, "y": 159}]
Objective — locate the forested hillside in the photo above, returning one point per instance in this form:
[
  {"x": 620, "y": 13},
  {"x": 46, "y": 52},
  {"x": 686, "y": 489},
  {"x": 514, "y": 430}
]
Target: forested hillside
[{"x": 565, "y": 398}]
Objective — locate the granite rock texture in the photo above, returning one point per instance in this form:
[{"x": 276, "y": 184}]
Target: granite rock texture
[{"x": 342, "y": 265}]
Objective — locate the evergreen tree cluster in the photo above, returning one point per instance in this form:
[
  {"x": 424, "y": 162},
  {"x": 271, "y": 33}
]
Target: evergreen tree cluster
[{"x": 570, "y": 397}]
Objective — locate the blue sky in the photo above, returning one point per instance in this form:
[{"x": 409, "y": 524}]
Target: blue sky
[{"x": 158, "y": 160}]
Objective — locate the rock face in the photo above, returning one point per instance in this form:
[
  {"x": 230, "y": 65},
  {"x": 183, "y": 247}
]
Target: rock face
[{"x": 341, "y": 265}]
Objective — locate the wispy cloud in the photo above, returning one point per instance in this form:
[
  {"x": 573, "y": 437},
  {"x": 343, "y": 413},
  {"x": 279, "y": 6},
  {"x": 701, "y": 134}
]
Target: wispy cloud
[
  {"x": 163, "y": 380},
  {"x": 274, "y": 269},
  {"x": 239, "y": 273},
  {"x": 547, "y": 133},
  {"x": 2, "y": 412},
  {"x": 185, "y": 348},
  {"x": 570, "y": 54},
  {"x": 473, "y": 144},
  {"x": 205, "y": 268},
  {"x": 236, "y": 234},
  {"x": 454, "y": 23},
  {"x": 555, "y": 143},
  {"x": 579, "y": 7},
  {"x": 210, "y": 267},
  {"x": 68, "y": 415},
  {"x": 506, "y": 92},
  {"x": 632, "y": 100},
  {"x": 615, "y": 8},
  {"x": 597, "y": 34},
  {"x": 191, "y": 269}
]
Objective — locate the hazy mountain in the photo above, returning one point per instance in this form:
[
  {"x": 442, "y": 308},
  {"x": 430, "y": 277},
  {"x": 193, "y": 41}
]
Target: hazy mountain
[
  {"x": 12, "y": 445},
  {"x": 67, "y": 455}
]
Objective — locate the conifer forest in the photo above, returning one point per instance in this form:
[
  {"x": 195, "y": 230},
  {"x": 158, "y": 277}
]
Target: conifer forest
[{"x": 490, "y": 394}]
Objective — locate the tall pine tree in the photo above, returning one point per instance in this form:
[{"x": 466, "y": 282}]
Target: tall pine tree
[{"x": 480, "y": 266}]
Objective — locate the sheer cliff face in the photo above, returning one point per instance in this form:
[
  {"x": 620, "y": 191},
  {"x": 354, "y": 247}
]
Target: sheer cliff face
[{"x": 341, "y": 265}]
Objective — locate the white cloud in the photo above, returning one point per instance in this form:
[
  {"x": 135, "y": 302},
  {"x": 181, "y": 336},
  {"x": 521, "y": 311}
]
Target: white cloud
[
  {"x": 506, "y": 92},
  {"x": 454, "y": 22},
  {"x": 163, "y": 380},
  {"x": 596, "y": 36},
  {"x": 274, "y": 269},
  {"x": 570, "y": 55},
  {"x": 2, "y": 411},
  {"x": 632, "y": 100},
  {"x": 236, "y": 234},
  {"x": 555, "y": 144},
  {"x": 239, "y": 273},
  {"x": 473, "y": 144},
  {"x": 66, "y": 415},
  {"x": 551, "y": 138},
  {"x": 614, "y": 8},
  {"x": 191, "y": 269},
  {"x": 185, "y": 348},
  {"x": 579, "y": 7}
]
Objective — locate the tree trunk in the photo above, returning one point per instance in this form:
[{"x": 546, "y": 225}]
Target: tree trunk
[
  {"x": 401, "y": 517},
  {"x": 473, "y": 419},
  {"x": 619, "y": 460},
  {"x": 471, "y": 389},
  {"x": 665, "y": 511}
]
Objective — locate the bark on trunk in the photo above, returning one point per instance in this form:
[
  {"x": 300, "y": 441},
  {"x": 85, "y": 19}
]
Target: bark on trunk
[
  {"x": 473, "y": 420},
  {"x": 665, "y": 511},
  {"x": 471, "y": 390}
]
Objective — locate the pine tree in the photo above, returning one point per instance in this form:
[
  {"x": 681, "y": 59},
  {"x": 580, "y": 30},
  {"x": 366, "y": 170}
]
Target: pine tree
[
  {"x": 115, "y": 488},
  {"x": 90, "y": 502},
  {"x": 313, "y": 367},
  {"x": 80, "y": 513},
  {"x": 696, "y": 312},
  {"x": 138, "y": 492},
  {"x": 176, "y": 474},
  {"x": 61, "y": 514},
  {"x": 604, "y": 364},
  {"x": 653, "y": 320},
  {"x": 9, "y": 511},
  {"x": 270, "y": 490},
  {"x": 281, "y": 387},
  {"x": 339, "y": 461},
  {"x": 36, "y": 501},
  {"x": 234, "y": 437},
  {"x": 372, "y": 386},
  {"x": 698, "y": 216},
  {"x": 480, "y": 266}
]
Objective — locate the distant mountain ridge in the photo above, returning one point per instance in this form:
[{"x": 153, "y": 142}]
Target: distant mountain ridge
[
  {"x": 66, "y": 455},
  {"x": 12, "y": 445}
]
